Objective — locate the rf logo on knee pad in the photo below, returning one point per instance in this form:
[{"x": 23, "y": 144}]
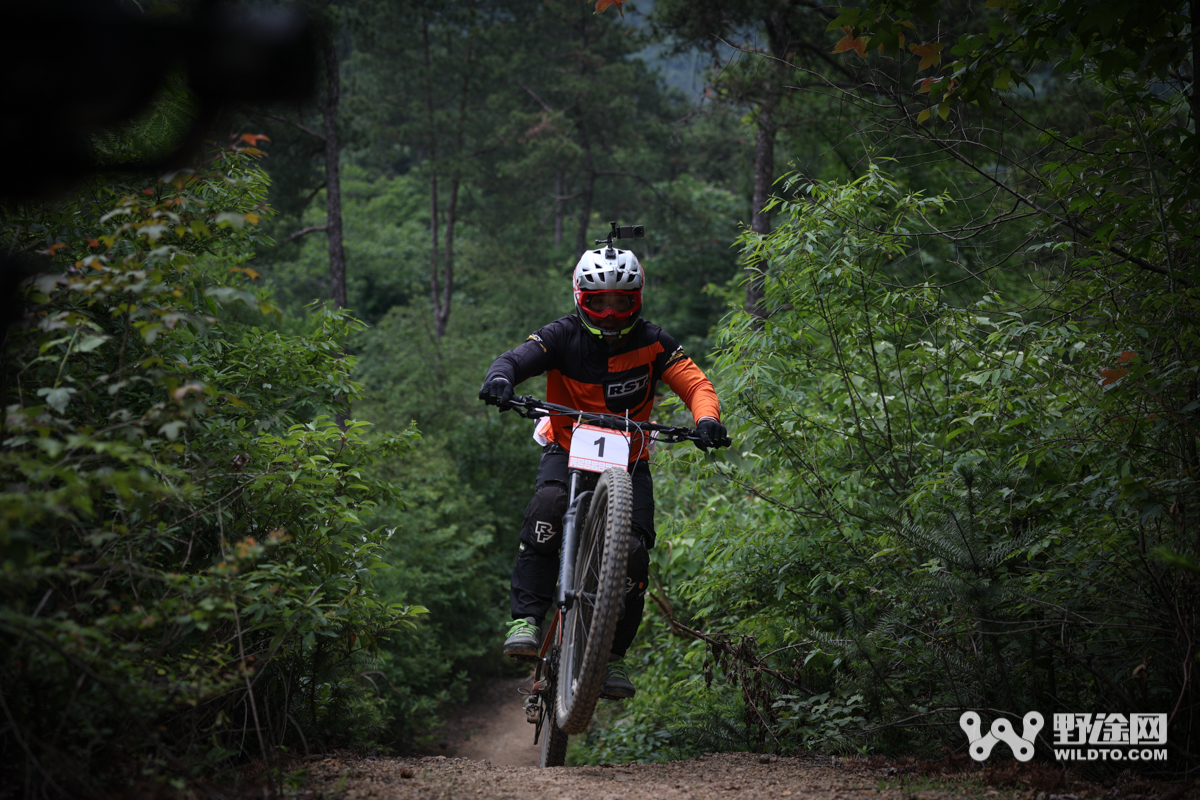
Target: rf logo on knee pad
[{"x": 544, "y": 532}]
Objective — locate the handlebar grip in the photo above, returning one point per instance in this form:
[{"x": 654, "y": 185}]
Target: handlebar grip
[{"x": 695, "y": 439}]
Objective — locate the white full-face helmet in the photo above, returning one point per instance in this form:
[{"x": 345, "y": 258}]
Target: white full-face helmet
[{"x": 608, "y": 291}]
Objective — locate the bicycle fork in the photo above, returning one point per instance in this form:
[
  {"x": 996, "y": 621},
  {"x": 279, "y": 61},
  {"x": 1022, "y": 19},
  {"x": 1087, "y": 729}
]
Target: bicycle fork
[{"x": 566, "y": 554}]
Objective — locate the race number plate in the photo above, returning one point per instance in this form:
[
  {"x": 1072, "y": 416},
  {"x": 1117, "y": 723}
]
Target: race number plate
[{"x": 596, "y": 449}]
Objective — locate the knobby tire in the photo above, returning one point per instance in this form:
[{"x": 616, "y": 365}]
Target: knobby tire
[
  {"x": 554, "y": 741},
  {"x": 599, "y": 588}
]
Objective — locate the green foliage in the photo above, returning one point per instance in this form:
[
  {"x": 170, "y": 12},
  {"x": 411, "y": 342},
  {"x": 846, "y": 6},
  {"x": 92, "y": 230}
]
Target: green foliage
[
  {"x": 675, "y": 714},
  {"x": 387, "y": 246},
  {"x": 1119, "y": 38},
  {"x": 967, "y": 476},
  {"x": 187, "y": 578},
  {"x": 933, "y": 508},
  {"x": 453, "y": 555},
  {"x": 966, "y": 425},
  {"x": 687, "y": 262}
]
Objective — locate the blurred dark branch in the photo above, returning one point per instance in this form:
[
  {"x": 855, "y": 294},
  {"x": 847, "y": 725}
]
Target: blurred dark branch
[
  {"x": 297, "y": 125},
  {"x": 815, "y": 50},
  {"x": 16, "y": 731},
  {"x": 1066, "y": 222},
  {"x": 637, "y": 177},
  {"x": 301, "y": 232},
  {"x": 822, "y": 84},
  {"x": 313, "y": 194},
  {"x": 534, "y": 95},
  {"x": 718, "y": 645}
]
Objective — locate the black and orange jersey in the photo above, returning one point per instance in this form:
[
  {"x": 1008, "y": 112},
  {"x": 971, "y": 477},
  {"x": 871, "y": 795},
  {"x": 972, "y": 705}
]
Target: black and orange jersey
[{"x": 585, "y": 373}]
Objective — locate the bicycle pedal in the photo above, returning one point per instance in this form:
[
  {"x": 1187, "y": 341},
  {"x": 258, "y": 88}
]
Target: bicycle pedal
[{"x": 523, "y": 658}]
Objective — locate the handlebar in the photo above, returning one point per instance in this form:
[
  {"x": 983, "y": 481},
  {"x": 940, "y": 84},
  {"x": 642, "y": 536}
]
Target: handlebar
[{"x": 532, "y": 408}]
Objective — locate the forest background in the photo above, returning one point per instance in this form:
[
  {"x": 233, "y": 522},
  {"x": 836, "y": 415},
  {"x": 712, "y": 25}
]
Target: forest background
[{"x": 939, "y": 260}]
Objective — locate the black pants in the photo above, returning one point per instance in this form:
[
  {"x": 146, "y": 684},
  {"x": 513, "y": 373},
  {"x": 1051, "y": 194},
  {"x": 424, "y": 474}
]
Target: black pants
[{"x": 536, "y": 570}]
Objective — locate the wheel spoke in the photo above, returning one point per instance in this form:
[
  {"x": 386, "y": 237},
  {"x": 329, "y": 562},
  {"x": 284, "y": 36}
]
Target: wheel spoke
[{"x": 591, "y": 563}]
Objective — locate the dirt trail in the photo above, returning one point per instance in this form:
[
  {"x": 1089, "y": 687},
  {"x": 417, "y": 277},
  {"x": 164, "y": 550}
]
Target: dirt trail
[
  {"x": 490, "y": 754},
  {"x": 492, "y": 728},
  {"x": 722, "y": 776}
]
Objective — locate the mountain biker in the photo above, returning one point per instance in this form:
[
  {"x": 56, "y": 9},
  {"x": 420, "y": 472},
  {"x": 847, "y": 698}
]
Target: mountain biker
[{"x": 603, "y": 358}]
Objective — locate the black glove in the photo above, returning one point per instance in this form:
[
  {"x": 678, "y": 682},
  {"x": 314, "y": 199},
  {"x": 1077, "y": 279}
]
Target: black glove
[
  {"x": 712, "y": 434},
  {"x": 497, "y": 392}
]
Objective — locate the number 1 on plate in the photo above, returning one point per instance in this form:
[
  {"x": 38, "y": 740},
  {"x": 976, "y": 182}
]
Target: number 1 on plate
[{"x": 595, "y": 449}]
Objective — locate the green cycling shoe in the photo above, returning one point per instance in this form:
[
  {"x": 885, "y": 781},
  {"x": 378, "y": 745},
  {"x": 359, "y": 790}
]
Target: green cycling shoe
[
  {"x": 523, "y": 640},
  {"x": 617, "y": 685}
]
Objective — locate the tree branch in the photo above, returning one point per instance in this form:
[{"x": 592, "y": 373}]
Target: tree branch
[
  {"x": 297, "y": 125},
  {"x": 540, "y": 101},
  {"x": 1064, "y": 221},
  {"x": 621, "y": 173},
  {"x": 312, "y": 194},
  {"x": 680, "y": 629},
  {"x": 299, "y": 233},
  {"x": 816, "y": 84}
]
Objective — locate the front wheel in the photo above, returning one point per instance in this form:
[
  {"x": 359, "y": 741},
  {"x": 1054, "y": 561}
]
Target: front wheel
[
  {"x": 599, "y": 594},
  {"x": 554, "y": 741}
]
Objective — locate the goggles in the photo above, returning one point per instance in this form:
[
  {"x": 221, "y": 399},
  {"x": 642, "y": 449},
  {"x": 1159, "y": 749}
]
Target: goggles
[{"x": 600, "y": 305}]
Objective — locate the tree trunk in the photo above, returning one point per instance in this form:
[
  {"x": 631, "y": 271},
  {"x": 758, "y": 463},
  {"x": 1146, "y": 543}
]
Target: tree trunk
[
  {"x": 589, "y": 189},
  {"x": 589, "y": 181},
  {"x": 333, "y": 185},
  {"x": 760, "y": 222},
  {"x": 431, "y": 143},
  {"x": 434, "y": 284},
  {"x": 558, "y": 209},
  {"x": 779, "y": 43},
  {"x": 442, "y": 282},
  {"x": 333, "y": 199},
  {"x": 585, "y": 213},
  {"x": 442, "y": 315}
]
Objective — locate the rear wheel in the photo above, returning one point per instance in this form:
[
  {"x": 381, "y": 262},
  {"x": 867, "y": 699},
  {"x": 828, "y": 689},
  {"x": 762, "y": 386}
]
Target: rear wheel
[{"x": 599, "y": 594}]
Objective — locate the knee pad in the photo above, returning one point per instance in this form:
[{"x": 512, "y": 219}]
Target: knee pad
[
  {"x": 542, "y": 531},
  {"x": 637, "y": 571}
]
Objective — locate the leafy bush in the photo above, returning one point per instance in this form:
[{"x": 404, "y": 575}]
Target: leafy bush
[
  {"x": 933, "y": 508},
  {"x": 187, "y": 579}
]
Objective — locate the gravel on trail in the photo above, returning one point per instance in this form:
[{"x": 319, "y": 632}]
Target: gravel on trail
[
  {"x": 489, "y": 753},
  {"x": 721, "y": 775},
  {"x": 717, "y": 776},
  {"x": 491, "y": 727}
]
